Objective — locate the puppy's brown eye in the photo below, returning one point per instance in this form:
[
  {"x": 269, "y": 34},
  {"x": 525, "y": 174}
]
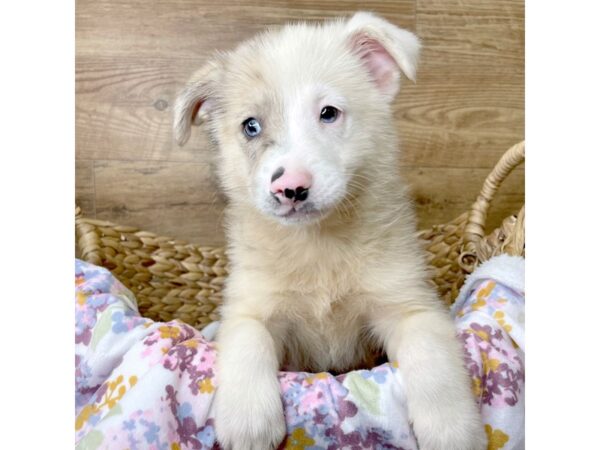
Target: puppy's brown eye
[
  {"x": 329, "y": 114},
  {"x": 251, "y": 127}
]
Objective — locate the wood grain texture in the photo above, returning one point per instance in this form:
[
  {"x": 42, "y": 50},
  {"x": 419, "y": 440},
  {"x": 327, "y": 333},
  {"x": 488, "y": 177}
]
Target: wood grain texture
[
  {"x": 85, "y": 193},
  {"x": 440, "y": 193},
  {"x": 194, "y": 29},
  {"x": 468, "y": 105},
  {"x": 132, "y": 56},
  {"x": 167, "y": 198}
]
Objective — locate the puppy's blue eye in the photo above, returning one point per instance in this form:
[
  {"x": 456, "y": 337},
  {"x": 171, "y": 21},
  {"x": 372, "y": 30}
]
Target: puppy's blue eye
[
  {"x": 252, "y": 127},
  {"x": 329, "y": 114}
]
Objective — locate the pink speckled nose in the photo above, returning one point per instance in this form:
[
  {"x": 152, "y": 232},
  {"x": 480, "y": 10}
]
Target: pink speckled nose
[{"x": 289, "y": 186}]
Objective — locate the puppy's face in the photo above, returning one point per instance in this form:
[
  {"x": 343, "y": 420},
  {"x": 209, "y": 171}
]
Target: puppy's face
[{"x": 296, "y": 113}]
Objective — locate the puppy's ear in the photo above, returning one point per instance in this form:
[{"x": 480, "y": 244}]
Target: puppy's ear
[
  {"x": 384, "y": 49},
  {"x": 196, "y": 100}
]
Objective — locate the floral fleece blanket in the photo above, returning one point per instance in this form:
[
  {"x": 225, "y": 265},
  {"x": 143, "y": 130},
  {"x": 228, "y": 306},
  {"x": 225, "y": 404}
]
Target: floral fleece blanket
[{"x": 147, "y": 385}]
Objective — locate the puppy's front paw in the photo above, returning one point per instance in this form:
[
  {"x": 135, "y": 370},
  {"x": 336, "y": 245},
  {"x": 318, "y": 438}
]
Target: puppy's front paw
[
  {"x": 249, "y": 418},
  {"x": 458, "y": 427}
]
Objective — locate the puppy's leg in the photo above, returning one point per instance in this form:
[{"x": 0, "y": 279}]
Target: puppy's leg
[
  {"x": 249, "y": 412},
  {"x": 440, "y": 402}
]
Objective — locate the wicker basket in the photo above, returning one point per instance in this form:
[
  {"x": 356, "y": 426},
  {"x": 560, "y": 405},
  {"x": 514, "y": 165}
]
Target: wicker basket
[{"x": 173, "y": 279}]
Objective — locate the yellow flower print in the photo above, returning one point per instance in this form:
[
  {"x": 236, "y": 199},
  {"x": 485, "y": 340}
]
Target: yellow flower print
[
  {"x": 175, "y": 446},
  {"x": 168, "y": 332},
  {"x": 81, "y": 298},
  {"x": 483, "y": 294},
  {"x": 190, "y": 343},
  {"x": 481, "y": 333},
  {"x": 110, "y": 399},
  {"x": 298, "y": 440},
  {"x": 84, "y": 415},
  {"x": 487, "y": 290},
  {"x": 206, "y": 386},
  {"x": 496, "y": 438},
  {"x": 480, "y": 303},
  {"x": 489, "y": 364},
  {"x": 499, "y": 316},
  {"x": 318, "y": 376},
  {"x": 476, "y": 386}
]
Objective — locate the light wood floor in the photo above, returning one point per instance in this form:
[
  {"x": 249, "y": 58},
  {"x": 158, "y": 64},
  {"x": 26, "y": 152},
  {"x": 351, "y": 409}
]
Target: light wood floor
[{"x": 132, "y": 56}]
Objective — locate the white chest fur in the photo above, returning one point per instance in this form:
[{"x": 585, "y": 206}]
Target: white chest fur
[
  {"x": 310, "y": 296},
  {"x": 319, "y": 334}
]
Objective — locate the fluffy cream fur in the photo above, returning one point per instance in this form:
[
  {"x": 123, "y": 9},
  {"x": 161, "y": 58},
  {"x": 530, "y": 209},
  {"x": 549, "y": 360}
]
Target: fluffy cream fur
[{"x": 322, "y": 290}]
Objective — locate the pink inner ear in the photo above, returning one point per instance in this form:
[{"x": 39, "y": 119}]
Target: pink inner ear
[
  {"x": 379, "y": 63},
  {"x": 196, "y": 110},
  {"x": 201, "y": 110}
]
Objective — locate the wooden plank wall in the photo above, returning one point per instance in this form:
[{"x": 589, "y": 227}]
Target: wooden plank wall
[{"x": 132, "y": 56}]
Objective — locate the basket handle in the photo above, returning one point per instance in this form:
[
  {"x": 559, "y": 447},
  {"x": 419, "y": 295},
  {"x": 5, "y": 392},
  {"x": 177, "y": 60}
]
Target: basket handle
[{"x": 475, "y": 228}]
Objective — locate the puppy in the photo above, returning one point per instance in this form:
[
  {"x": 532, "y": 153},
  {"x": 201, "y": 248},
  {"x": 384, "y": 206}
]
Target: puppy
[{"x": 325, "y": 265}]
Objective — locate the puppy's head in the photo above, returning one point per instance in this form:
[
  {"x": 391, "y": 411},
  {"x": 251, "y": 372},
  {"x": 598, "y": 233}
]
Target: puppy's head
[{"x": 297, "y": 113}]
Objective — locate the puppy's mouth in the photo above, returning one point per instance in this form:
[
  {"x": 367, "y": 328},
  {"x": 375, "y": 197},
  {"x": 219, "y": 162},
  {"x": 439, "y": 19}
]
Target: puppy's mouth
[{"x": 301, "y": 214}]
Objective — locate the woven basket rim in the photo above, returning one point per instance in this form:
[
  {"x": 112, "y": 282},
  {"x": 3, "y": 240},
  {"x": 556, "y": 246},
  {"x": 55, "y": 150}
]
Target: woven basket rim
[{"x": 175, "y": 279}]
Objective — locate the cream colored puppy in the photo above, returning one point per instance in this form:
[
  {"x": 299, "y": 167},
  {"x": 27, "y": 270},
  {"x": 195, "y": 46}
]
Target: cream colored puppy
[{"x": 325, "y": 266}]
